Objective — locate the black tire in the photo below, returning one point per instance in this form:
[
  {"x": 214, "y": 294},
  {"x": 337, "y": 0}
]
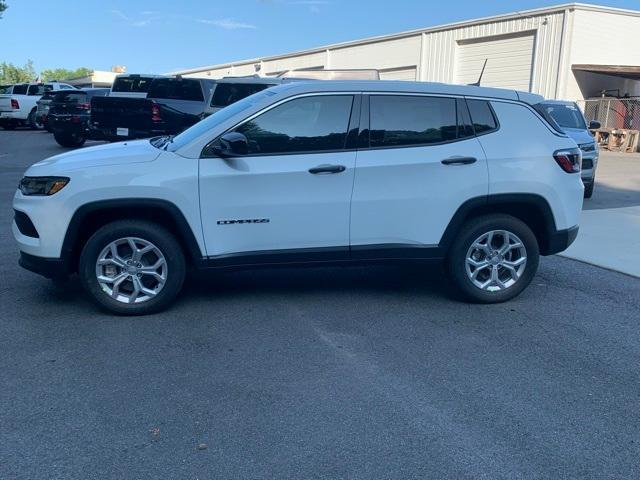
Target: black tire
[
  {"x": 588, "y": 189},
  {"x": 149, "y": 232},
  {"x": 71, "y": 140},
  {"x": 473, "y": 230},
  {"x": 31, "y": 121}
]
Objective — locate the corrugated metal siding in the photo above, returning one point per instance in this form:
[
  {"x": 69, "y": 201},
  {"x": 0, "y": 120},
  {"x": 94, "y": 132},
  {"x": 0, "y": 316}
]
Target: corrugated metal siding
[
  {"x": 408, "y": 73},
  {"x": 602, "y": 38},
  {"x": 432, "y": 52},
  {"x": 440, "y": 48},
  {"x": 291, "y": 63},
  {"x": 507, "y": 61},
  {"x": 382, "y": 54}
]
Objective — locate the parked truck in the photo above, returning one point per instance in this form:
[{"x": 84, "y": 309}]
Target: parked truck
[{"x": 18, "y": 105}]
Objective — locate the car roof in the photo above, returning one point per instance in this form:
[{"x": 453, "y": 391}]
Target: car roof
[
  {"x": 312, "y": 86},
  {"x": 252, "y": 80},
  {"x": 559, "y": 102}
]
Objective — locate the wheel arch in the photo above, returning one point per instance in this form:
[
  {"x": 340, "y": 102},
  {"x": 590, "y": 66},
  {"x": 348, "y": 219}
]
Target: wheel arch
[
  {"x": 532, "y": 209},
  {"x": 90, "y": 217}
]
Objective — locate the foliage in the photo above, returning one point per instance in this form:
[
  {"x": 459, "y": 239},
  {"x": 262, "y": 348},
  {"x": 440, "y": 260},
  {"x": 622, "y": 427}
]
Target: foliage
[
  {"x": 10, "y": 73},
  {"x": 64, "y": 74},
  {"x": 3, "y": 7}
]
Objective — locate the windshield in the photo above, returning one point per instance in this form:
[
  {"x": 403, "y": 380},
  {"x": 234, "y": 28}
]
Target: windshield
[
  {"x": 566, "y": 116},
  {"x": 220, "y": 116}
]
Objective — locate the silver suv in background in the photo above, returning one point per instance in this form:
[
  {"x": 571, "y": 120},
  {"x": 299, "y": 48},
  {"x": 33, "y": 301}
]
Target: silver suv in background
[{"x": 570, "y": 119}]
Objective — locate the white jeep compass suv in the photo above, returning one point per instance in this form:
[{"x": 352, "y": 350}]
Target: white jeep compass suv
[{"x": 311, "y": 172}]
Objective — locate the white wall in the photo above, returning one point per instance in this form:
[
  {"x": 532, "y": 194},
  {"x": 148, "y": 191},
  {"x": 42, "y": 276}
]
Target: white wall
[{"x": 601, "y": 38}]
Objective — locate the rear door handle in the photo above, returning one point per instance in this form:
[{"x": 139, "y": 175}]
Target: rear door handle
[
  {"x": 326, "y": 169},
  {"x": 459, "y": 161}
]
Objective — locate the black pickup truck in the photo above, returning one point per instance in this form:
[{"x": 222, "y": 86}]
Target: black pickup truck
[{"x": 172, "y": 105}]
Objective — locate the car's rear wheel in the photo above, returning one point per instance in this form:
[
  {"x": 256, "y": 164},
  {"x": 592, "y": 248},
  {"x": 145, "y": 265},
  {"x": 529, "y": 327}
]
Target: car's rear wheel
[
  {"x": 71, "y": 140},
  {"x": 493, "y": 259},
  {"x": 132, "y": 267}
]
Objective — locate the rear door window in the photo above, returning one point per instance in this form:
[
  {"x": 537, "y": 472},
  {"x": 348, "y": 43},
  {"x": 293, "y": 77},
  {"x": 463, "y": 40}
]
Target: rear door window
[
  {"x": 36, "y": 90},
  {"x": 176, "y": 89},
  {"x": 20, "y": 89},
  {"x": 227, "y": 93},
  {"x": 405, "y": 120}
]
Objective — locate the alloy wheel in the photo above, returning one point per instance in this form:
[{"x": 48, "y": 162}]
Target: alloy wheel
[
  {"x": 496, "y": 260},
  {"x": 131, "y": 270}
]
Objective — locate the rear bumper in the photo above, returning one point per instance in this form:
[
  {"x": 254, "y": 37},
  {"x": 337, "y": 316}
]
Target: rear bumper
[
  {"x": 560, "y": 240},
  {"x": 111, "y": 133},
  {"x": 53, "y": 268}
]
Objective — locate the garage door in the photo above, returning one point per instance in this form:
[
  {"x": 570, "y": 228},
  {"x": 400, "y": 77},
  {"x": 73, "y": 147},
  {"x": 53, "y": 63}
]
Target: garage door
[
  {"x": 404, "y": 73},
  {"x": 509, "y": 61}
]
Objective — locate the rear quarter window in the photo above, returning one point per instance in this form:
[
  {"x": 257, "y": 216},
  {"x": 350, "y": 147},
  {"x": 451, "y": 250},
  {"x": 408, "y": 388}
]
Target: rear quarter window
[{"x": 482, "y": 116}]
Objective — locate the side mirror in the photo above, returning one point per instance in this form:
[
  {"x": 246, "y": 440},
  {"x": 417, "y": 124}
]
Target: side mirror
[
  {"x": 594, "y": 125},
  {"x": 232, "y": 144}
]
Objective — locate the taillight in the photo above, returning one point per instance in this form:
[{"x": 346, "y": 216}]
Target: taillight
[
  {"x": 84, "y": 106},
  {"x": 15, "y": 104},
  {"x": 570, "y": 159},
  {"x": 155, "y": 113}
]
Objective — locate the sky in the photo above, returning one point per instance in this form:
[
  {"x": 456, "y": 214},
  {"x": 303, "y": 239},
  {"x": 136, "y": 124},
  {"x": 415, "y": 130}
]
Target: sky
[{"x": 159, "y": 36}]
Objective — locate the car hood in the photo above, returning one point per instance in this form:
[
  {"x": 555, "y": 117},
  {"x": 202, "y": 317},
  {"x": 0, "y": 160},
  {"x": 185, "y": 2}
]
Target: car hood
[
  {"x": 101, "y": 155},
  {"x": 579, "y": 136}
]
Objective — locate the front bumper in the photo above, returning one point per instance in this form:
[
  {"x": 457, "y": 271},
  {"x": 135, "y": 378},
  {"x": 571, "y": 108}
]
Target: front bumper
[{"x": 53, "y": 268}]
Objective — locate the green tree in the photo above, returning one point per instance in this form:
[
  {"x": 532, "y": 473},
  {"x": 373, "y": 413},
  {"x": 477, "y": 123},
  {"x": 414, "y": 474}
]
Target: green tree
[
  {"x": 3, "y": 7},
  {"x": 10, "y": 73},
  {"x": 63, "y": 73}
]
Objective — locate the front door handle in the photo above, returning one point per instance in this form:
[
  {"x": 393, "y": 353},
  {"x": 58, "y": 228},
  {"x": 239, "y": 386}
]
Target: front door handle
[
  {"x": 326, "y": 169},
  {"x": 459, "y": 161}
]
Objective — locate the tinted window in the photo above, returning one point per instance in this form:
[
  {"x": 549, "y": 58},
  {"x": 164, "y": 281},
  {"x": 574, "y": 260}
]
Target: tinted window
[
  {"x": 98, "y": 93},
  {"x": 70, "y": 97},
  {"x": 131, "y": 84},
  {"x": 228, "y": 93},
  {"x": 306, "y": 124},
  {"x": 566, "y": 116},
  {"x": 174, "y": 89},
  {"x": 5, "y": 89},
  {"x": 398, "y": 120},
  {"x": 482, "y": 116},
  {"x": 36, "y": 89},
  {"x": 465, "y": 127},
  {"x": 20, "y": 89}
]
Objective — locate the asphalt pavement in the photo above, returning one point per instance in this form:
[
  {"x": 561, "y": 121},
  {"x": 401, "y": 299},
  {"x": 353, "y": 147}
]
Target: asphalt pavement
[{"x": 358, "y": 373}]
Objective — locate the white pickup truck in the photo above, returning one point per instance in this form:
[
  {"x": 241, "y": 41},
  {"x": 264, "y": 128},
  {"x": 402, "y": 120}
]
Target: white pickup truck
[{"x": 18, "y": 102}]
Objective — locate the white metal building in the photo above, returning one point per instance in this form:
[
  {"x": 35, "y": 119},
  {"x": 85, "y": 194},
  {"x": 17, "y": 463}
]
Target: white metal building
[{"x": 570, "y": 51}]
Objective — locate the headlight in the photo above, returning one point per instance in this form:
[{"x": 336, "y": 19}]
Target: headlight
[{"x": 42, "y": 185}]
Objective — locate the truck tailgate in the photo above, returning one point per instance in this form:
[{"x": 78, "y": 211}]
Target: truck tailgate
[
  {"x": 115, "y": 112},
  {"x": 5, "y": 103}
]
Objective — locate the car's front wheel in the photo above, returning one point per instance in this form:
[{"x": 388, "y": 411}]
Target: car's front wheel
[
  {"x": 132, "y": 267},
  {"x": 493, "y": 258}
]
